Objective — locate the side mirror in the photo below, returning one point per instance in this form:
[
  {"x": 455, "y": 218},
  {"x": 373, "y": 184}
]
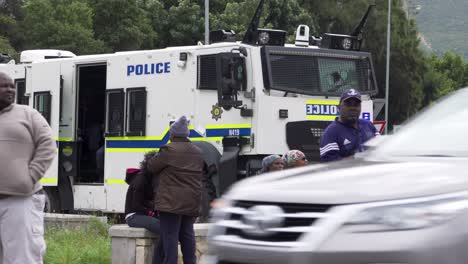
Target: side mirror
[{"x": 231, "y": 78}]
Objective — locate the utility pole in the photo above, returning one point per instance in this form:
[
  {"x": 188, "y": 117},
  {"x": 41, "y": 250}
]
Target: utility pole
[
  {"x": 387, "y": 75},
  {"x": 207, "y": 22}
]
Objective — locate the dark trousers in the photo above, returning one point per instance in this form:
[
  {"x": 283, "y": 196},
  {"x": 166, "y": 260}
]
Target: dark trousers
[
  {"x": 178, "y": 228},
  {"x": 153, "y": 225}
]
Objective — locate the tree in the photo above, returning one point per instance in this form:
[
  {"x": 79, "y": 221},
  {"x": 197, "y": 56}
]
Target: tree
[
  {"x": 277, "y": 14},
  {"x": 10, "y": 15},
  {"x": 234, "y": 16},
  {"x": 453, "y": 67},
  {"x": 184, "y": 24},
  {"x": 444, "y": 75},
  {"x": 59, "y": 24},
  {"x": 5, "y": 47},
  {"x": 7, "y": 26},
  {"x": 123, "y": 25}
]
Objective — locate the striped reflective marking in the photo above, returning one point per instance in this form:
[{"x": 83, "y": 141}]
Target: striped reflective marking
[
  {"x": 132, "y": 150},
  {"x": 153, "y": 143},
  {"x": 222, "y": 126},
  {"x": 115, "y": 181},
  {"x": 322, "y": 110},
  {"x": 218, "y": 131},
  {"x": 324, "y": 102},
  {"x": 49, "y": 180},
  {"x": 321, "y": 118}
]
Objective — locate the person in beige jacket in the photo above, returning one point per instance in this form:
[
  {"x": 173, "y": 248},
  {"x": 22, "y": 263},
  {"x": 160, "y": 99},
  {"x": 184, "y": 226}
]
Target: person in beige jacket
[{"x": 27, "y": 149}]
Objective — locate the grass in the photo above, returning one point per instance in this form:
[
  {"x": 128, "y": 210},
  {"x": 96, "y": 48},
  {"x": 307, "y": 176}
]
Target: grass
[{"x": 90, "y": 244}]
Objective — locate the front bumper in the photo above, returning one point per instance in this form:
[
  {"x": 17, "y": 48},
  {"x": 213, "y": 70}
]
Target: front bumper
[{"x": 446, "y": 243}]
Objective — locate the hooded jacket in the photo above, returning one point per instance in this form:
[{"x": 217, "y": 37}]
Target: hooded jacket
[{"x": 139, "y": 198}]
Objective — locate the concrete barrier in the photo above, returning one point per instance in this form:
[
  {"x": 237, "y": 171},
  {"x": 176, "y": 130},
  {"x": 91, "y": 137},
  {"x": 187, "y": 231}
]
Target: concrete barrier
[
  {"x": 69, "y": 221},
  {"x": 136, "y": 245}
]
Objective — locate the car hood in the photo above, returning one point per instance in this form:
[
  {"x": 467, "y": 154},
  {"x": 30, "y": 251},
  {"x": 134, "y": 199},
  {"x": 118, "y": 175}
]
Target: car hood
[{"x": 357, "y": 181}]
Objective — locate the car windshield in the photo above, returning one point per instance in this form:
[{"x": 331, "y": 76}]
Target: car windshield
[{"x": 439, "y": 131}]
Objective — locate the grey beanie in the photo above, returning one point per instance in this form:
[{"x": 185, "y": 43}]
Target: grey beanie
[{"x": 180, "y": 128}]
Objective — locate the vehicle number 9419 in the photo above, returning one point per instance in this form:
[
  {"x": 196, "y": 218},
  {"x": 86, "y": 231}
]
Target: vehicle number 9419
[{"x": 234, "y": 132}]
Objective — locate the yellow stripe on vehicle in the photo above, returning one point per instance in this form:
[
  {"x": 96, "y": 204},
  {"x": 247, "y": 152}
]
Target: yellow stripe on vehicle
[
  {"x": 49, "y": 180},
  {"x": 321, "y": 118},
  {"x": 136, "y": 138},
  {"x": 143, "y": 144},
  {"x": 115, "y": 181},
  {"x": 134, "y": 150},
  {"x": 217, "y": 126},
  {"x": 166, "y": 130},
  {"x": 324, "y": 102}
]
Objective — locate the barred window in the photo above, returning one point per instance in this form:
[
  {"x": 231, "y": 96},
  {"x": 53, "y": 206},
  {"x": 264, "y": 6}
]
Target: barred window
[
  {"x": 317, "y": 72},
  {"x": 115, "y": 111},
  {"x": 136, "y": 112},
  {"x": 20, "y": 91},
  {"x": 207, "y": 72},
  {"x": 43, "y": 104}
]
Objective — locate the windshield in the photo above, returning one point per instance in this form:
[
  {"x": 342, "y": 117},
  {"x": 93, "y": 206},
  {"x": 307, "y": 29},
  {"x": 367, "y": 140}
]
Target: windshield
[
  {"x": 439, "y": 131},
  {"x": 316, "y": 72}
]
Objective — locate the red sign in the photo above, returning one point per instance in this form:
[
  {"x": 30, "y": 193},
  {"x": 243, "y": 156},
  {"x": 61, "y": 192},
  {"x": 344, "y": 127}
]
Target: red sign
[{"x": 380, "y": 125}]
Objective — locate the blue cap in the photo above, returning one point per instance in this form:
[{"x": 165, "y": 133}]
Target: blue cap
[{"x": 350, "y": 93}]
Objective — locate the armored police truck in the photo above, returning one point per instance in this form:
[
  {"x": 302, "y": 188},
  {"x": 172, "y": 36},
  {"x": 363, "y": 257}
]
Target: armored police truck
[{"x": 245, "y": 100}]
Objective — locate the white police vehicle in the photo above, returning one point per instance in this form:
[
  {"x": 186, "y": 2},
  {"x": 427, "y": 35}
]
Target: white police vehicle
[{"x": 244, "y": 100}]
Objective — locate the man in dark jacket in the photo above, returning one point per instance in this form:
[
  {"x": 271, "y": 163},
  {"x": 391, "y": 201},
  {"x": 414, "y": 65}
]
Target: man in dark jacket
[{"x": 179, "y": 170}]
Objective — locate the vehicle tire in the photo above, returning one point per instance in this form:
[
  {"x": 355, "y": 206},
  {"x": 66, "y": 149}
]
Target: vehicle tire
[{"x": 52, "y": 204}]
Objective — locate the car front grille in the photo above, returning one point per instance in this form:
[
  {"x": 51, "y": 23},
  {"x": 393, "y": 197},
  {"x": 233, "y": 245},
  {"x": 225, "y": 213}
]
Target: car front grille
[{"x": 297, "y": 220}]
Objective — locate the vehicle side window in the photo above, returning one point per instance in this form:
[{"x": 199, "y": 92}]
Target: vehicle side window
[
  {"x": 115, "y": 111},
  {"x": 20, "y": 90},
  {"x": 207, "y": 72},
  {"x": 43, "y": 104},
  {"x": 136, "y": 112}
]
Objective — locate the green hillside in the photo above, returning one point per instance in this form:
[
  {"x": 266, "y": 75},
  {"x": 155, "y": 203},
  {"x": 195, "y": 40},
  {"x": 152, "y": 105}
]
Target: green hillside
[{"x": 444, "y": 24}]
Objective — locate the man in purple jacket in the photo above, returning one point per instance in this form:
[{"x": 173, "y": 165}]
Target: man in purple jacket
[{"x": 345, "y": 136}]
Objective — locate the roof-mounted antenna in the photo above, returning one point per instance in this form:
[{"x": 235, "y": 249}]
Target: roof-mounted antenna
[
  {"x": 250, "y": 35},
  {"x": 357, "y": 32}
]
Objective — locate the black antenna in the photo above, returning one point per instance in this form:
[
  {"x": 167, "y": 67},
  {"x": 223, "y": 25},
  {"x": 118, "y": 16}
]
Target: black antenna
[
  {"x": 357, "y": 32},
  {"x": 249, "y": 37}
]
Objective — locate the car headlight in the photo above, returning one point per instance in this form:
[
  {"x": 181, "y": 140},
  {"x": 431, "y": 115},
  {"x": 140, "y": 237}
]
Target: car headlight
[
  {"x": 218, "y": 209},
  {"x": 218, "y": 213},
  {"x": 408, "y": 215}
]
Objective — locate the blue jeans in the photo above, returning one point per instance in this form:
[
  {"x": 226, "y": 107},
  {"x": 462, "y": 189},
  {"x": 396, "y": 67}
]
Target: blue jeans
[
  {"x": 153, "y": 225},
  {"x": 178, "y": 228}
]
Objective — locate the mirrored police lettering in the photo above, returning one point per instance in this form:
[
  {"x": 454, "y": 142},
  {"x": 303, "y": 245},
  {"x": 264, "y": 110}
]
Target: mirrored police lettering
[
  {"x": 312, "y": 109},
  {"x": 149, "y": 68}
]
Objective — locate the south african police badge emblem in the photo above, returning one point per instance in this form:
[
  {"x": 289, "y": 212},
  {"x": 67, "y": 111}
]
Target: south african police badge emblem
[{"x": 216, "y": 112}]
